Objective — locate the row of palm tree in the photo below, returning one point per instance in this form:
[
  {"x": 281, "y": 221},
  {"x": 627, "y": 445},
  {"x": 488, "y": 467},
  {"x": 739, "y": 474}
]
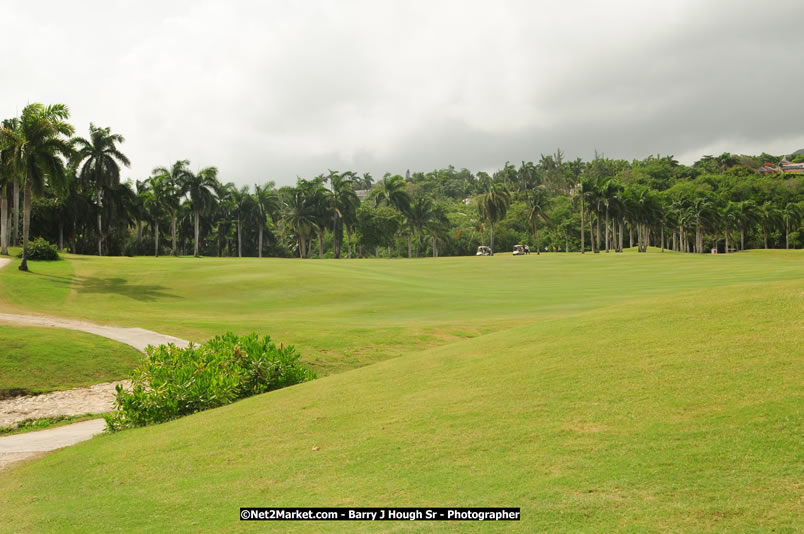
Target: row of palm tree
[{"x": 82, "y": 176}]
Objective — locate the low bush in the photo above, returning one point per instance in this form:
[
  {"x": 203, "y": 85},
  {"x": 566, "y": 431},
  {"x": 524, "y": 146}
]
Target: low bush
[
  {"x": 173, "y": 381},
  {"x": 41, "y": 249}
]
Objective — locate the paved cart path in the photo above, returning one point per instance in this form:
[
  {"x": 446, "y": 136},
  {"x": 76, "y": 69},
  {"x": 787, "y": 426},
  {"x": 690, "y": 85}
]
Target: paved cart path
[{"x": 78, "y": 401}]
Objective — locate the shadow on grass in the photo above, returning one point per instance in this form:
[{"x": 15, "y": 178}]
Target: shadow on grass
[{"x": 120, "y": 286}]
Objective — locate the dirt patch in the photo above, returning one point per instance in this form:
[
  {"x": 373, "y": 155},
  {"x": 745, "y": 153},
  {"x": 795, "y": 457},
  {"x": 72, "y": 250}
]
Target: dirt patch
[{"x": 94, "y": 399}]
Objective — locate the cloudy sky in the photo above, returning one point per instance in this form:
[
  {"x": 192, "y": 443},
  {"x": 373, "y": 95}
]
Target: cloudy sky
[{"x": 274, "y": 90}]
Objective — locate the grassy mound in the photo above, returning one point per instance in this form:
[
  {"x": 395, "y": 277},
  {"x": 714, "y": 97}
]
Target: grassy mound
[
  {"x": 672, "y": 413},
  {"x": 38, "y": 360}
]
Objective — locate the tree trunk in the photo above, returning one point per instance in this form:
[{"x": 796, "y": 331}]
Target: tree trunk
[
  {"x": 435, "y": 250},
  {"x": 156, "y": 238},
  {"x": 492, "y": 239},
  {"x": 742, "y": 238},
  {"x": 662, "y": 237},
  {"x": 591, "y": 234},
  {"x": 26, "y": 224},
  {"x": 598, "y": 233},
  {"x": 61, "y": 235},
  {"x": 583, "y": 232},
  {"x": 622, "y": 229},
  {"x": 765, "y": 236},
  {"x": 787, "y": 235},
  {"x": 389, "y": 251},
  {"x": 410, "y": 245},
  {"x": 631, "y": 235},
  {"x": 607, "y": 230},
  {"x": 349, "y": 242},
  {"x": 259, "y": 242},
  {"x": 239, "y": 240},
  {"x": 320, "y": 245},
  {"x": 376, "y": 252},
  {"x": 727, "y": 241},
  {"x": 100, "y": 227},
  {"x": 173, "y": 218},
  {"x": 196, "y": 217},
  {"x": 4, "y": 223},
  {"x": 15, "y": 221}
]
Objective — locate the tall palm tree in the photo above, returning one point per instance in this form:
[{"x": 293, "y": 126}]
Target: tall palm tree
[
  {"x": 791, "y": 214},
  {"x": 419, "y": 217},
  {"x": 300, "y": 214},
  {"x": 391, "y": 191},
  {"x": 493, "y": 205},
  {"x": 769, "y": 218},
  {"x": 156, "y": 198},
  {"x": 172, "y": 179},
  {"x": 746, "y": 215},
  {"x": 267, "y": 204},
  {"x": 39, "y": 147},
  {"x": 702, "y": 212},
  {"x": 201, "y": 188},
  {"x": 98, "y": 159},
  {"x": 9, "y": 172},
  {"x": 343, "y": 203},
  {"x": 537, "y": 202}
]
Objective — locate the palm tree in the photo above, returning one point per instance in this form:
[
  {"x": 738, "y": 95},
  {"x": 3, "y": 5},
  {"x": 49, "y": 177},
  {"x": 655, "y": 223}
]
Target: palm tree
[
  {"x": 791, "y": 214},
  {"x": 342, "y": 202},
  {"x": 156, "y": 198},
  {"x": 38, "y": 147},
  {"x": 493, "y": 205},
  {"x": 201, "y": 188},
  {"x": 769, "y": 218},
  {"x": 9, "y": 171},
  {"x": 419, "y": 217},
  {"x": 267, "y": 205},
  {"x": 300, "y": 214},
  {"x": 537, "y": 203},
  {"x": 98, "y": 158},
  {"x": 172, "y": 180},
  {"x": 391, "y": 191},
  {"x": 701, "y": 212},
  {"x": 746, "y": 215},
  {"x": 609, "y": 195}
]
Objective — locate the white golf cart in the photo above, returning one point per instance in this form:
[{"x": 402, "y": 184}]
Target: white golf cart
[
  {"x": 519, "y": 250},
  {"x": 483, "y": 251}
]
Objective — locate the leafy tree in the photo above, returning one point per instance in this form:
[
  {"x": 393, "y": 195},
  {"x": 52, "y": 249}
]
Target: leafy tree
[
  {"x": 172, "y": 179},
  {"x": 268, "y": 204},
  {"x": 770, "y": 218},
  {"x": 342, "y": 203},
  {"x": 38, "y": 146},
  {"x": 537, "y": 204},
  {"x": 201, "y": 188},
  {"x": 791, "y": 214},
  {"x": 98, "y": 159},
  {"x": 492, "y": 205}
]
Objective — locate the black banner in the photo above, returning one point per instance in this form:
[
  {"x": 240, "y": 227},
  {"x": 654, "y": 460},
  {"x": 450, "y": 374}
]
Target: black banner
[{"x": 379, "y": 514}]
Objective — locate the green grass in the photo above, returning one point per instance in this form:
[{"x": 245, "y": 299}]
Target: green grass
[
  {"x": 39, "y": 360},
  {"x": 675, "y": 413},
  {"x": 343, "y": 314},
  {"x": 634, "y": 392}
]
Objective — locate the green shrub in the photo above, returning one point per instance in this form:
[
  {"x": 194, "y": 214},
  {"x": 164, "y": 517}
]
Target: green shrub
[
  {"x": 173, "y": 381},
  {"x": 41, "y": 249}
]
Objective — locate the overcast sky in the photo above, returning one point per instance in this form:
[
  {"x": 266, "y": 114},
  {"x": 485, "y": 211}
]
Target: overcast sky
[{"x": 274, "y": 90}]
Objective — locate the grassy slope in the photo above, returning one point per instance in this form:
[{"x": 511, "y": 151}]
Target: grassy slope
[
  {"x": 675, "y": 413},
  {"x": 47, "y": 359},
  {"x": 347, "y": 313}
]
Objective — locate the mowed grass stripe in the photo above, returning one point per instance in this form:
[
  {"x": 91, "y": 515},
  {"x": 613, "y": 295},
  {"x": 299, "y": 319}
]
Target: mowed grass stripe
[
  {"x": 346, "y": 313},
  {"x": 672, "y": 413}
]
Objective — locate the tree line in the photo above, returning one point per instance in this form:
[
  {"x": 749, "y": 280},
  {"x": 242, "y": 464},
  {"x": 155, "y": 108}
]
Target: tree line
[{"x": 72, "y": 194}]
